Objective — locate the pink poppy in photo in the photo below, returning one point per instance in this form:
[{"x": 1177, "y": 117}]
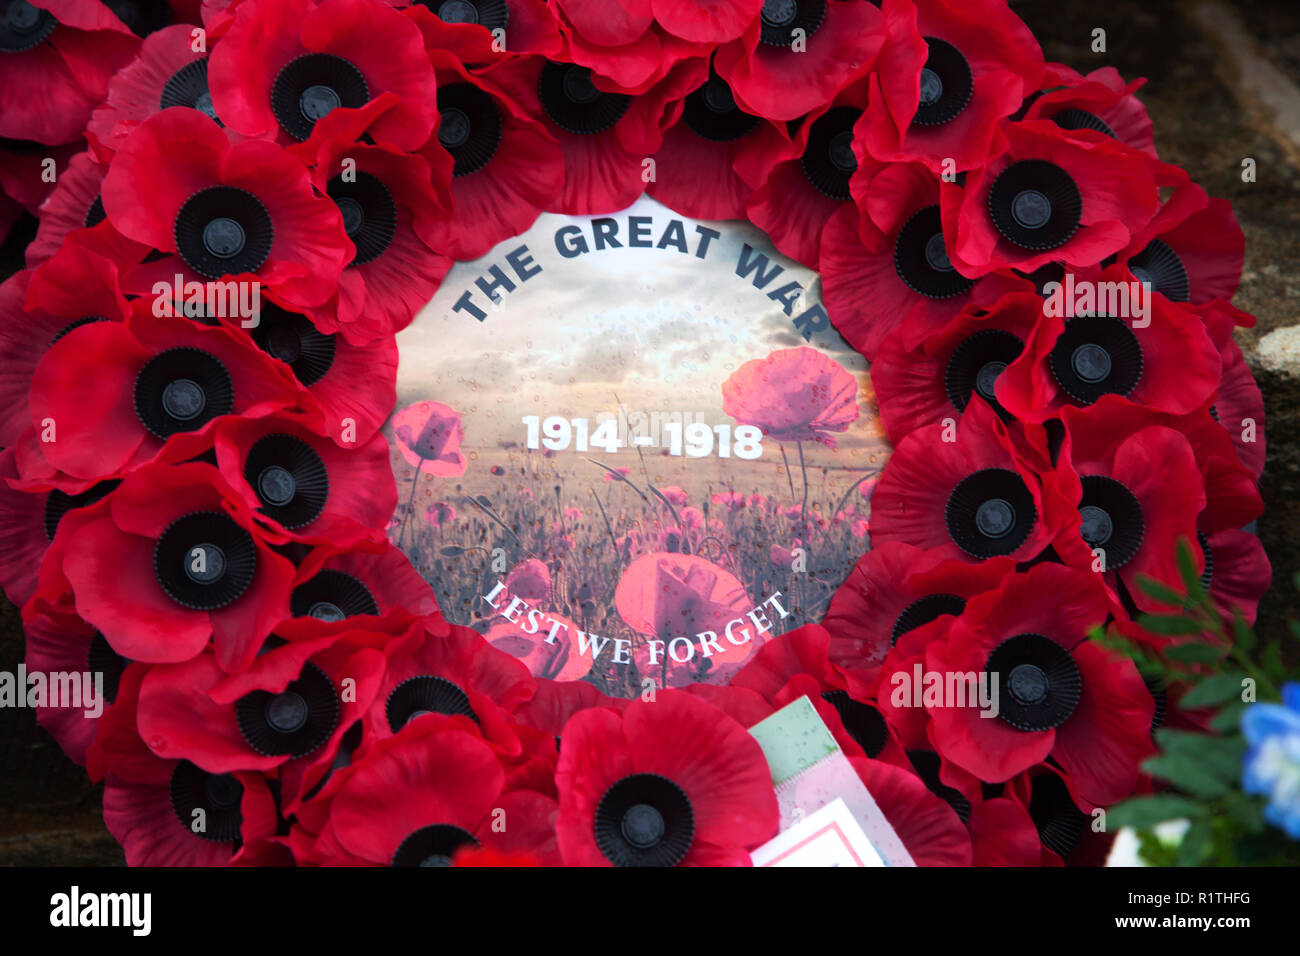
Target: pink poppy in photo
[
  {"x": 526, "y": 493},
  {"x": 572, "y": 514},
  {"x": 439, "y": 513},
  {"x": 860, "y": 528},
  {"x": 732, "y": 500},
  {"x": 430, "y": 433},
  {"x": 674, "y": 494},
  {"x": 530, "y": 580},
  {"x": 793, "y": 395},
  {"x": 692, "y": 518},
  {"x": 498, "y": 470},
  {"x": 672, "y": 598},
  {"x": 528, "y": 639}
]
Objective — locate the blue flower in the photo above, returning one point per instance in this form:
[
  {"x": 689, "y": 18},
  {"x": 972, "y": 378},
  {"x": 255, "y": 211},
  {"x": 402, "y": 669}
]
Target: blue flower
[{"x": 1272, "y": 765}]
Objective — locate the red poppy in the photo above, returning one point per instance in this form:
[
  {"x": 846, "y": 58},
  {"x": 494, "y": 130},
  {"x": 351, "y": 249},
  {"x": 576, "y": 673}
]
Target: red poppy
[
  {"x": 886, "y": 266},
  {"x": 289, "y": 713},
  {"x": 813, "y": 180},
  {"x": 422, "y": 796},
  {"x": 948, "y": 74},
  {"x": 1100, "y": 101},
  {"x": 171, "y": 812},
  {"x": 1164, "y": 360},
  {"x": 794, "y": 395},
  {"x": 372, "y": 578},
  {"x": 502, "y": 165},
  {"x": 287, "y": 63},
  {"x": 671, "y": 782},
  {"x": 64, "y": 644},
  {"x": 167, "y": 72},
  {"x": 554, "y": 702},
  {"x": 896, "y": 588},
  {"x": 29, "y": 171},
  {"x": 455, "y": 673},
  {"x": 56, "y": 58},
  {"x": 1238, "y": 404},
  {"x": 169, "y": 559},
  {"x": 72, "y": 204},
  {"x": 694, "y": 616},
  {"x": 605, "y": 131},
  {"x": 1133, "y": 513},
  {"x": 782, "y": 75},
  {"x": 1059, "y": 693},
  {"x": 1003, "y": 834},
  {"x": 1063, "y": 818},
  {"x": 119, "y": 393},
  {"x": 930, "y": 829},
  {"x": 970, "y": 489},
  {"x": 37, "y": 309},
  {"x": 430, "y": 433},
  {"x": 937, "y": 377},
  {"x": 715, "y": 154},
  {"x": 1189, "y": 255},
  {"x": 470, "y": 28},
  {"x": 637, "y": 43},
  {"x": 530, "y": 579},
  {"x": 303, "y": 486},
  {"x": 1236, "y": 571},
  {"x": 387, "y": 203},
  {"x": 1053, "y": 195}
]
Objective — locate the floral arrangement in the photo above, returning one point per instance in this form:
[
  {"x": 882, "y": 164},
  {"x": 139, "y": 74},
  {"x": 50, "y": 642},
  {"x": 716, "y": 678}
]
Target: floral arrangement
[{"x": 196, "y": 505}]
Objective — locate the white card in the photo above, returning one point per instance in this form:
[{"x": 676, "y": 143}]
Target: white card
[{"x": 829, "y": 837}]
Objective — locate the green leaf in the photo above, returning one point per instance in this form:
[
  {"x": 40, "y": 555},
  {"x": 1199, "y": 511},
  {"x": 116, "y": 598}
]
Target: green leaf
[
  {"x": 1228, "y": 720},
  {"x": 1215, "y": 689},
  {"x": 1186, "y": 774},
  {"x": 1142, "y": 813},
  {"x": 1171, "y": 625},
  {"x": 1242, "y": 632},
  {"x": 1294, "y": 628},
  {"x": 1194, "y": 652},
  {"x": 1218, "y": 756},
  {"x": 1195, "y": 842},
  {"x": 1159, "y": 591}
]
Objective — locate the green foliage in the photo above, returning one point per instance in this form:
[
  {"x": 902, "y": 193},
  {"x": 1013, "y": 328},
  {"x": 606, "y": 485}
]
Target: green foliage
[{"x": 1220, "y": 666}]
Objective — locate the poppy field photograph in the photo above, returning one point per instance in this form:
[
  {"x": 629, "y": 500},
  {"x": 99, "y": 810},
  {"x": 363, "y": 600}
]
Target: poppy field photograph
[{"x": 650, "y": 433}]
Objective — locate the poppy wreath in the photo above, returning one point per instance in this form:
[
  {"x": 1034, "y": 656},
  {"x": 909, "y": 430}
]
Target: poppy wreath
[{"x": 197, "y": 509}]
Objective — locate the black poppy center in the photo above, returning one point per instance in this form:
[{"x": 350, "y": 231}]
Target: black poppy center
[
  {"x": 222, "y": 230},
  {"x": 1074, "y": 118},
  {"x": 828, "y": 159},
  {"x": 205, "y": 560},
  {"x": 180, "y": 390},
  {"x": 863, "y": 722},
  {"x": 974, "y": 366},
  {"x": 711, "y": 112},
  {"x": 470, "y": 127},
  {"x": 1159, "y": 265},
  {"x": 331, "y": 596},
  {"x": 644, "y": 820},
  {"x": 206, "y": 804},
  {"x": 142, "y": 17},
  {"x": 921, "y": 258},
  {"x": 425, "y": 694},
  {"x": 59, "y": 503},
  {"x": 369, "y": 213},
  {"x": 311, "y": 86},
  {"x": 1111, "y": 519},
  {"x": 102, "y": 659},
  {"x": 1096, "y": 355},
  {"x": 434, "y": 845},
  {"x": 1035, "y": 205},
  {"x": 289, "y": 477},
  {"x": 291, "y": 338},
  {"x": 924, "y": 610},
  {"x": 779, "y": 19},
  {"x": 1059, "y": 821},
  {"x": 574, "y": 103},
  {"x": 1038, "y": 681},
  {"x": 188, "y": 86},
  {"x": 990, "y": 512},
  {"x": 292, "y": 722},
  {"x": 457, "y": 11},
  {"x": 946, "y": 84},
  {"x": 926, "y": 763},
  {"x": 24, "y": 26}
]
